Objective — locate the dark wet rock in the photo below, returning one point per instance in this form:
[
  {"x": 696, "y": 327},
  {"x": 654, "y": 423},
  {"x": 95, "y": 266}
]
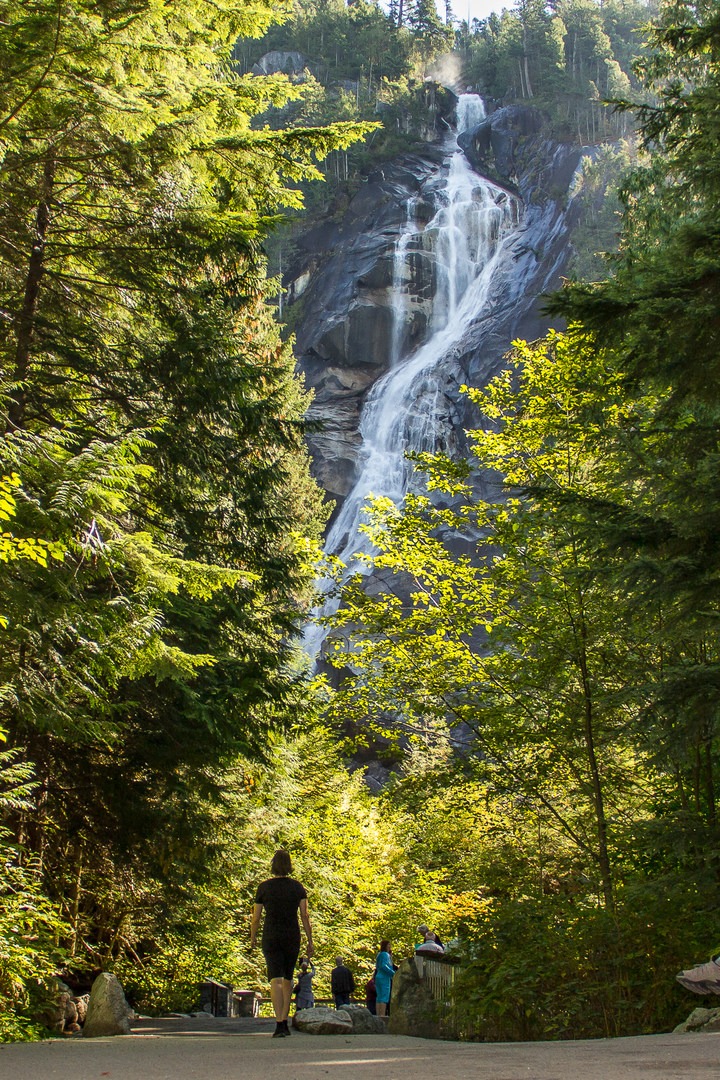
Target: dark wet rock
[
  {"x": 343, "y": 280},
  {"x": 492, "y": 148}
]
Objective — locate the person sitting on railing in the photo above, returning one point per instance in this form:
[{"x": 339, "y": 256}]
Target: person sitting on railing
[
  {"x": 429, "y": 946},
  {"x": 423, "y": 930}
]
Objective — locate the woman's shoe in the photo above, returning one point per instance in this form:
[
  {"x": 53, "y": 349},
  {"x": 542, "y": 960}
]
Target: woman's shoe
[{"x": 280, "y": 1031}]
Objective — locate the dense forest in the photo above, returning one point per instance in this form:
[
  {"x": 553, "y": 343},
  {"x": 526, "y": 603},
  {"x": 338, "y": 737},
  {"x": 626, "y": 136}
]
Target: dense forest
[
  {"x": 162, "y": 734},
  {"x": 358, "y": 61}
]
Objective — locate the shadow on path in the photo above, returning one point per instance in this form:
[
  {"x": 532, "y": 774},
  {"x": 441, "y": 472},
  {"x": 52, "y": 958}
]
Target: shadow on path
[{"x": 201, "y": 1024}]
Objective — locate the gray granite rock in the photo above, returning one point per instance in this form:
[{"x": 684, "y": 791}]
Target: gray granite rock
[
  {"x": 285, "y": 61},
  {"x": 345, "y": 284},
  {"x": 412, "y": 1009},
  {"x": 323, "y": 1021},
  {"x": 364, "y": 1022},
  {"x": 81, "y": 1004},
  {"x": 701, "y": 1020},
  {"x": 107, "y": 1011}
]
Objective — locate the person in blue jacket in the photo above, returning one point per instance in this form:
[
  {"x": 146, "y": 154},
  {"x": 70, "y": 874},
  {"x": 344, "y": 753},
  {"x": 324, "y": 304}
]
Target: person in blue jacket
[{"x": 384, "y": 971}]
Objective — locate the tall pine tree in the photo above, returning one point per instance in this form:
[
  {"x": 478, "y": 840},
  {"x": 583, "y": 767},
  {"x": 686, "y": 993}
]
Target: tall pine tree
[
  {"x": 152, "y": 414},
  {"x": 658, "y": 317}
]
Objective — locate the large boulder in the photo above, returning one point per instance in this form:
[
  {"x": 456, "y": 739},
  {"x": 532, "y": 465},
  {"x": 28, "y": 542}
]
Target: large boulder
[
  {"x": 107, "y": 1012},
  {"x": 364, "y": 1022},
  {"x": 58, "y": 1015},
  {"x": 701, "y": 1020},
  {"x": 412, "y": 1008},
  {"x": 323, "y": 1021}
]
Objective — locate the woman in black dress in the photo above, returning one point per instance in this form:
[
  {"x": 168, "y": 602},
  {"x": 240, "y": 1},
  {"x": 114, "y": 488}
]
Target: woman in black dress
[{"x": 281, "y": 897}]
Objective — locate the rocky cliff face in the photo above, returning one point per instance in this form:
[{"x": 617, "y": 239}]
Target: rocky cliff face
[
  {"x": 347, "y": 279},
  {"x": 344, "y": 276}
]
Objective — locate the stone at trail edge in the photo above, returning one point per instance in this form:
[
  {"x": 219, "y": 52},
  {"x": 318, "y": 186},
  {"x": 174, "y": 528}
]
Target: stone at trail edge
[
  {"x": 700, "y": 1020},
  {"x": 364, "y": 1022},
  {"x": 108, "y": 1012},
  {"x": 412, "y": 1010},
  {"x": 81, "y": 1004},
  {"x": 66, "y": 1013},
  {"x": 323, "y": 1021}
]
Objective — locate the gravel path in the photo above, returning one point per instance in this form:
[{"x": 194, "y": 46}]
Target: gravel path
[{"x": 200, "y": 1049}]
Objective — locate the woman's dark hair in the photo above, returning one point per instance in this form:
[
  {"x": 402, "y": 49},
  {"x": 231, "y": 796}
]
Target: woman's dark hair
[
  {"x": 384, "y": 945},
  {"x": 281, "y": 866}
]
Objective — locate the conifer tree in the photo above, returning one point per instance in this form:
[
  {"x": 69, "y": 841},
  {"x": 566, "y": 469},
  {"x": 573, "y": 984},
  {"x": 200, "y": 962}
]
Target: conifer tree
[
  {"x": 153, "y": 417},
  {"x": 657, "y": 314}
]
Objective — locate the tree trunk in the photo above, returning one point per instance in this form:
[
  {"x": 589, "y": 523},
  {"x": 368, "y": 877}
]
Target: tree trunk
[
  {"x": 75, "y": 904},
  {"x": 709, "y": 782},
  {"x": 26, "y": 319},
  {"x": 696, "y": 773},
  {"x": 598, "y": 800},
  {"x": 527, "y": 77},
  {"x": 597, "y": 794},
  {"x": 526, "y": 65}
]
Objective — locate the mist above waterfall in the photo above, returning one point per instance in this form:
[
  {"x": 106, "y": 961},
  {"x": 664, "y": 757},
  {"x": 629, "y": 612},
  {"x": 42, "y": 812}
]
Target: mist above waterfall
[{"x": 447, "y": 71}]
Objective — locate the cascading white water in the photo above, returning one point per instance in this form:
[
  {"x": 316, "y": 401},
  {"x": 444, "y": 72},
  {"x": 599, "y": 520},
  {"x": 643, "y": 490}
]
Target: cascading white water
[
  {"x": 399, "y": 294},
  {"x": 465, "y": 239},
  {"x": 470, "y": 111}
]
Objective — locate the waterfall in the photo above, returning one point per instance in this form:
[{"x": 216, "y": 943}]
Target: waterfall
[
  {"x": 399, "y": 295},
  {"x": 464, "y": 241}
]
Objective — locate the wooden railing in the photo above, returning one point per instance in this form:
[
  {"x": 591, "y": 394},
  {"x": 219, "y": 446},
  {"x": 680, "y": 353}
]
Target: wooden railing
[{"x": 438, "y": 974}]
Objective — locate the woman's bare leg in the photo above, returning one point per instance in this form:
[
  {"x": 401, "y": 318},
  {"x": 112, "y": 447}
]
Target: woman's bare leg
[
  {"x": 381, "y": 1006},
  {"x": 287, "y": 996},
  {"x": 277, "y": 996}
]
